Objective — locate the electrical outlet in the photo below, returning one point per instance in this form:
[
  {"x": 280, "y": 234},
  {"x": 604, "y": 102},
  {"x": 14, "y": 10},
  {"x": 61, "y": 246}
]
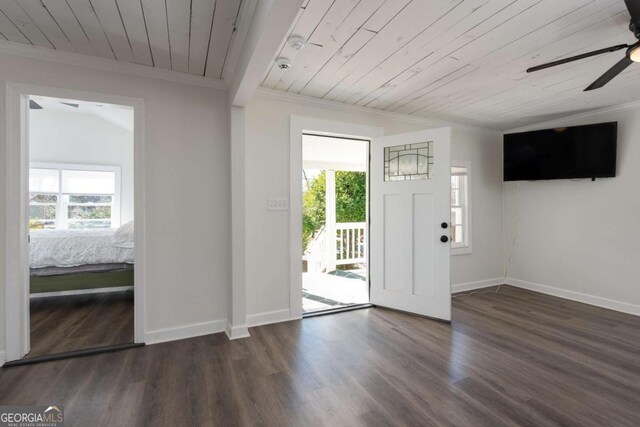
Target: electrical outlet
[{"x": 278, "y": 204}]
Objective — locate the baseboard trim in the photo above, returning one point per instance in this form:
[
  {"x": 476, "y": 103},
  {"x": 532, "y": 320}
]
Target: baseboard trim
[
  {"x": 187, "y": 331},
  {"x": 270, "y": 317},
  {"x": 479, "y": 284},
  {"x": 610, "y": 304},
  {"x": 237, "y": 332}
]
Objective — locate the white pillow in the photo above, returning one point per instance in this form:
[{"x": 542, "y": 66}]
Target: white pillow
[{"x": 123, "y": 237}]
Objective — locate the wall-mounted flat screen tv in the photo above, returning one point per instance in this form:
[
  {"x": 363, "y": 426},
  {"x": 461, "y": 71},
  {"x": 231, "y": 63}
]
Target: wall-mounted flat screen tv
[{"x": 562, "y": 153}]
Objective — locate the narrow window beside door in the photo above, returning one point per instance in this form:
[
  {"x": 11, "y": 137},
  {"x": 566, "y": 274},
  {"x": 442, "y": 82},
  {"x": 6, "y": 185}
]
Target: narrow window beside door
[{"x": 460, "y": 208}]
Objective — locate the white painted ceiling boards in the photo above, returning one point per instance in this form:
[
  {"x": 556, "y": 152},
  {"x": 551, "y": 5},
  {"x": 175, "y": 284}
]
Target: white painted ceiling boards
[
  {"x": 461, "y": 60},
  {"x": 190, "y": 36}
]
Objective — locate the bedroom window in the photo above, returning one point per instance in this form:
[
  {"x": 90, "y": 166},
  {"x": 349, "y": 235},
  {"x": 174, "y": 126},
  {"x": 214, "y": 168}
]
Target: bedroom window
[
  {"x": 74, "y": 196},
  {"x": 460, "y": 208},
  {"x": 88, "y": 211},
  {"x": 42, "y": 210}
]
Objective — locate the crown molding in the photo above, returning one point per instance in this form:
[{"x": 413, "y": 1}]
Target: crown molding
[
  {"x": 632, "y": 105},
  {"x": 104, "y": 64},
  {"x": 339, "y": 106}
]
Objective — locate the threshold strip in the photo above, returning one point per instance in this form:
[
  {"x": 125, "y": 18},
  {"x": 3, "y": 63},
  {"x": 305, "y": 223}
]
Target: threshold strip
[
  {"x": 336, "y": 310},
  {"x": 71, "y": 354}
]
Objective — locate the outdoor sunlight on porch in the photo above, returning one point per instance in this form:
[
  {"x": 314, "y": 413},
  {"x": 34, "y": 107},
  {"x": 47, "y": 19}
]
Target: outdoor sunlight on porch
[{"x": 335, "y": 241}]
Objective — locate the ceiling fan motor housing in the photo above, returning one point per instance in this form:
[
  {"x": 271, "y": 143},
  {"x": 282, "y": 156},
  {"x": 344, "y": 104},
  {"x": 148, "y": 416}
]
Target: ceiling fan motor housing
[{"x": 634, "y": 29}]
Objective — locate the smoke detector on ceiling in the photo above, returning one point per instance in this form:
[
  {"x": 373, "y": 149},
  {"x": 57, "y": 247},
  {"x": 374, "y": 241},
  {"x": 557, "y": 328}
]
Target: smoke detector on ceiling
[
  {"x": 296, "y": 42},
  {"x": 283, "y": 63}
]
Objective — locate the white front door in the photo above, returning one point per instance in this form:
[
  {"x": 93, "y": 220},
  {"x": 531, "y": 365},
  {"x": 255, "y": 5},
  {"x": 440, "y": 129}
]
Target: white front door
[{"x": 410, "y": 215}]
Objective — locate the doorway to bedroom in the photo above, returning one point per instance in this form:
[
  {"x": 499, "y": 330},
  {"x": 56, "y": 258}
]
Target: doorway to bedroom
[{"x": 81, "y": 225}]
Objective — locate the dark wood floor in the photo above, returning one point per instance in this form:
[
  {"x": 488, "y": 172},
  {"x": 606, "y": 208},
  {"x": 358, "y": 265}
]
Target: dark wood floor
[
  {"x": 78, "y": 322},
  {"x": 512, "y": 358}
]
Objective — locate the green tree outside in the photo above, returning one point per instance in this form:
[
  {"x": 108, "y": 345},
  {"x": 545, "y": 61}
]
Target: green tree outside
[{"x": 351, "y": 202}]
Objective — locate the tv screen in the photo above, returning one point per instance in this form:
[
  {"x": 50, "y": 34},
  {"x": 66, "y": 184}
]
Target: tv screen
[{"x": 563, "y": 153}]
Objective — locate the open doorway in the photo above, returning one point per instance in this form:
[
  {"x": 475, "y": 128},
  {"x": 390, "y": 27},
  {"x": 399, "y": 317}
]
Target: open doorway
[
  {"x": 81, "y": 225},
  {"x": 334, "y": 222}
]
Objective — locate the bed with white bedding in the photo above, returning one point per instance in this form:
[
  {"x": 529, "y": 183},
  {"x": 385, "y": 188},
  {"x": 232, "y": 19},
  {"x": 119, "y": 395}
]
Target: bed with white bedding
[
  {"x": 74, "y": 260},
  {"x": 71, "y": 248}
]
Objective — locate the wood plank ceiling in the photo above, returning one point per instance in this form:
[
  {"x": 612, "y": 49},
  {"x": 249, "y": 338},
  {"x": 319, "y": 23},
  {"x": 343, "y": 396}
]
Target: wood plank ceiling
[
  {"x": 191, "y": 36},
  {"x": 461, "y": 60}
]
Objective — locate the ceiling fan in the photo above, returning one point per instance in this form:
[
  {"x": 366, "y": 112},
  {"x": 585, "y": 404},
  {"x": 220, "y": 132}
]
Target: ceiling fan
[{"x": 632, "y": 54}]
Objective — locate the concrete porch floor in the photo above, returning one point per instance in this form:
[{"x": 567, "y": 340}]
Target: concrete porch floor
[{"x": 321, "y": 291}]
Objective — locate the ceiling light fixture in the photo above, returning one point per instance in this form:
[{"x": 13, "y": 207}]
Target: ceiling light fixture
[
  {"x": 296, "y": 42},
  {"x": 634, "y": 52},
  {"x": 283, "y": 63}
]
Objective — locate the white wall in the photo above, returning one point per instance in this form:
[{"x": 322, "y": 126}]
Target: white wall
[
  {"x": 73, "y": 137},
  {"x": 187, "y": 189},
  {"x": 267, "y": 166},
  {"x": 485, "y": 263},
  {"x": 581, "y": 239}
]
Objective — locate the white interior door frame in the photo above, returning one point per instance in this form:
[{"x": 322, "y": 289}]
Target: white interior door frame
[
  {"x": 16, "y": 277},
  {"x": 299, "y": 125}
]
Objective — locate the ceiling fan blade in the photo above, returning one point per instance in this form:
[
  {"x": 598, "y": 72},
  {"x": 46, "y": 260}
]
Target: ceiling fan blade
[
  {"x": 633, "y": 6},
  {"x": 610, "y": 73},
  {"x": 578, "y": 57}
]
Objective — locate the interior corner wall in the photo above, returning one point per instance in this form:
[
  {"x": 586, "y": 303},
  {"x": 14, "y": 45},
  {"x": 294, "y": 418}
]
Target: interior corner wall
[
  {"x": 267, "y": 176},
  {"x": 85, "y": 139},
  {"x": 580, "y": 239},
  {"x": 187, "y": 190}
]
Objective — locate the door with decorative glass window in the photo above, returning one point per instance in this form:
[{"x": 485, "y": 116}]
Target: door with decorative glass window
[{"x": 410, "y": 219}]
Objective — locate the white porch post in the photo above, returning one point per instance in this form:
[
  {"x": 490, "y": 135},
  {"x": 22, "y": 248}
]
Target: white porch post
[{"x": 330, "y": 220}]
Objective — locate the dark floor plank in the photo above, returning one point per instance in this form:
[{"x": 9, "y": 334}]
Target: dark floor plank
[
  {"x": 77, "y": 322},
  {"x": 509, "y": 358}
]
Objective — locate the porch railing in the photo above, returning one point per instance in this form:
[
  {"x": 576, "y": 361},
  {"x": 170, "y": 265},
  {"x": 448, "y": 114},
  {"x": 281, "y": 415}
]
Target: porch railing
[
  {"x": 351, "y": 242},
  {"x": 350, "y": 247}
]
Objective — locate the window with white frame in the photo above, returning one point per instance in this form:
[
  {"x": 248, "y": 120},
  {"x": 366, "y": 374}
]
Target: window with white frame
[
  {"x": 74, "y": 196},
  {"x": 460, "y": 215}
]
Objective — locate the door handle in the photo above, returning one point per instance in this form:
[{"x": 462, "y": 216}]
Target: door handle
[{"x": 444, "y": 239}]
